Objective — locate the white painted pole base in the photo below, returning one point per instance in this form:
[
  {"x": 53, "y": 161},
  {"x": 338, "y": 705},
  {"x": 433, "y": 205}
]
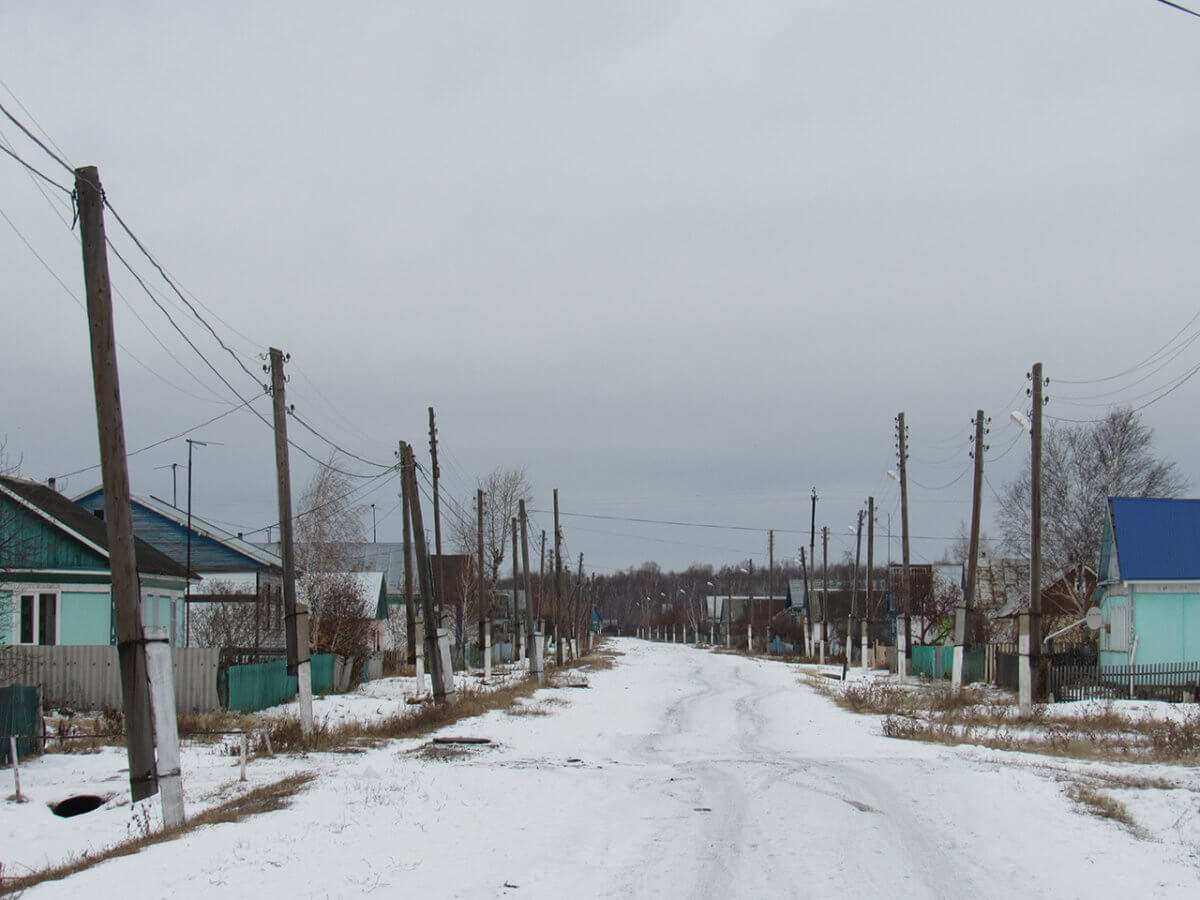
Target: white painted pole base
[
  {"x": 866, "y": 650},
  {"x": 304, "y": 695},
  {"x": 1024, "y": 670},
  {"x": 447, "y": 693},
  {"x": 749, "y": 638},
  {"x": 956, "y": 675},
  {"x": 487, "y": 650},
  {"x": 901, "y": 659},
  {"x": 537, "y": 655},
  {"x": 821, "y": 650},
  {"x": 160, "y": 674},
  {"x": 16, "y": 767},
  {"x": 710, "y": 636}
]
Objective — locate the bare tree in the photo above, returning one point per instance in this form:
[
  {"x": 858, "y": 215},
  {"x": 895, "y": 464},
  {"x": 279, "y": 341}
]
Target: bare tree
[
  {"x": 1082, "y": 466},
  {"x": 339, "y": 618},
  {"x": 225, "y": 623},
  {"x": 503, "y": 490}
]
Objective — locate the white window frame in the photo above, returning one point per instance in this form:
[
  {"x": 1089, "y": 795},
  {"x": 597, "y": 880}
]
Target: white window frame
[{"x": 35, "y": 591}]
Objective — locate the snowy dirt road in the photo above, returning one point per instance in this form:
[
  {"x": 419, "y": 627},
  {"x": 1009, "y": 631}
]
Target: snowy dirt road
[{"x": 678, "y": 773}]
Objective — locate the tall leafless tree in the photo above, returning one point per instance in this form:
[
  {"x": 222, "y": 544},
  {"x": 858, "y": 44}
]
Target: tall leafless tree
[
  {"x": 1082, "y": 466},
  {"x": 339, "y": 617}
]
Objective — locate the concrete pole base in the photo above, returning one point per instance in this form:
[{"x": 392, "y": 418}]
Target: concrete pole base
[
  {"x": 487, "y": 650},
  {"x": 443, "y": 687},
  {"x": 160, "y": 674},
  {"x": 304, "y": 696}
]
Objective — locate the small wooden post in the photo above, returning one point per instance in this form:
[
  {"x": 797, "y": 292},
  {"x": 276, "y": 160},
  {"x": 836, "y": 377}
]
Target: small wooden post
[{"x": 244, "y": 752}]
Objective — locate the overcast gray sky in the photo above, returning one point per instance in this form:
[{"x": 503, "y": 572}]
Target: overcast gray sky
[{"x": 681, "y": 260}]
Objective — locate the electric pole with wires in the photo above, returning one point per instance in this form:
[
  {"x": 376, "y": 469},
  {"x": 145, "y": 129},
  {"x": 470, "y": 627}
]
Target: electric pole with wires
[
  {"x": 966, "y": 603},
  {"x": 147, "y": 689},
  {"x": 295, "y": 615}
]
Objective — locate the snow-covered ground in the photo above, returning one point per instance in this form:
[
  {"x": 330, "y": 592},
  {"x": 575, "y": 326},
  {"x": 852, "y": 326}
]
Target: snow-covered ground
[{"x": 679, "y": 773}]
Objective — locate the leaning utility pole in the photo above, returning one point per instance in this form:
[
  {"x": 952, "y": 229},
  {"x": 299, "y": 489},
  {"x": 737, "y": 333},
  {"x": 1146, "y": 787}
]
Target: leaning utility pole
[
  {"x": 558, "y": 647},
  {"x": 410, "y": 606},
  {"x": 436, "y": 473},
  {"x": 906, "y": 574},
  {"x": 577, "y": 619},
  {"x": 147, "y": 692},
  {"x": 516, "y": 632},
  {"x": 770, "y": 589},
  {"x": 437, "y": 640},
  {"x": 824, "y": 590},
  {"x": 812, "y": 561},
  {"x": 536, "y": 643},
  {"x": 870, "y": 580},
  {"x": 967, "y": 602},
  {"x": 481, "y": 594},
  {"x": 295, "y": 616},
  {"x": 807, "y": 605},
  {"x": 853, "y": 595},
  {"x": 1029, "y": 635}
]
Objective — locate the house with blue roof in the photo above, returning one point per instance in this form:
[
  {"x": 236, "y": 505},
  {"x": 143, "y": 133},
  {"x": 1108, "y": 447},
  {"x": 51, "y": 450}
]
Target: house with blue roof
[
  {"x": 234, "y": 571},
  {"x": 1149, "y": 581}
]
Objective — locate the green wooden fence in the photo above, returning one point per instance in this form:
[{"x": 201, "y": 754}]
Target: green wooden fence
[
  {"x": 256, "y": 686},
  {"x": 938, "y": 662}
]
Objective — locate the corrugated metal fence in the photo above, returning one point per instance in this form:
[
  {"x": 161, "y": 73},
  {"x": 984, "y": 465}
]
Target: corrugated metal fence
[
  {"x": 20, "y": 717},
  {"x": 90, "y": 678}
]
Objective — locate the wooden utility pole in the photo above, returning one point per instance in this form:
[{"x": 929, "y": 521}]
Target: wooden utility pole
[
  {"x": 558, "y": 648},
  {"x": 481, "y": 595},
  {"x": 437, "y": 640},
  {"x": 535, "y": 638},
  {"x": 515, "y": 631},
  {"x": 770, "y": 589},
  {"x": 824, "y": 590},
  {"x": 577, "y": 619},
  {"x": 295, "y": 617},
  {"x": 436, "y": 474},
  {"x": 870, "y": 580},
  {"x": 902, "y": 649},
  {"x": 136, "y": 688},
  {"x": 853, "y": 594},
  {"x": 541, "y": 608},
  {"x": 410, "y": 606},
  {"x": 807, "y": 604},
  {"x": 966, "y": 604},
  {"x": 1029, "y": 636},
  {"x": 750, "y": 609}
]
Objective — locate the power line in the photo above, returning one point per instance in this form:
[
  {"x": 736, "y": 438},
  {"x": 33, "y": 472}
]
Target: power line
[
  {"x": 29, "y": 134},
  {"x": 1178, "y": 7},
  {"x": 1149, "y": 359},
  {"x": 38, "y": 172},
  {"x": 643, "y": 521},
  {"x": 173, "y": 437},
  {"x": 942, "y": 487},
  {"x": 80, "y": 304}
]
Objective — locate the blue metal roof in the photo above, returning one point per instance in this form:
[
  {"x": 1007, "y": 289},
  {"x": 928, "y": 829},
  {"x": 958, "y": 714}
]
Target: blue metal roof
[{"x": 1157, "y": 539}]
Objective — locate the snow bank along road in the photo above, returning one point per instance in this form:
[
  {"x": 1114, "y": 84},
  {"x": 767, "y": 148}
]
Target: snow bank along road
[{"x": 679, "y": 773}]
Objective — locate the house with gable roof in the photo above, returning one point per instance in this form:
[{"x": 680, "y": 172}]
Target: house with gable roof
[
  {"x": 55, "y": 582},
  {"x": 234, "y": 570},
  {"x": 1149, "y": 581}
]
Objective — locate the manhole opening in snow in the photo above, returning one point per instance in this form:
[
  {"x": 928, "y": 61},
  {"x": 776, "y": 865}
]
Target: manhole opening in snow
[{"x": 77, "y": 805}]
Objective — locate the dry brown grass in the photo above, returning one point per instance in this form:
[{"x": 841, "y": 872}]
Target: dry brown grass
[
  {"x": 267, "y": 798},
  {"x": 286, "y": 736},
  {"x": 979, "y": 716},
  {"x": 1100, "y": 804}
]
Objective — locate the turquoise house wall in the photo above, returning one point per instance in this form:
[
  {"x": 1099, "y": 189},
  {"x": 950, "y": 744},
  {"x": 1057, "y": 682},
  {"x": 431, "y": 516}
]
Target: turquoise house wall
[
  {"x": 85, "y": 617},
  {"x": 1167, "y": 627}
]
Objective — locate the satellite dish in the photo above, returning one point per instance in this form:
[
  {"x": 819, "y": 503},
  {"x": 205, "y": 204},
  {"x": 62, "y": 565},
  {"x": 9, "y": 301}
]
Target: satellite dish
[{"x": 1095, "y": 618}]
